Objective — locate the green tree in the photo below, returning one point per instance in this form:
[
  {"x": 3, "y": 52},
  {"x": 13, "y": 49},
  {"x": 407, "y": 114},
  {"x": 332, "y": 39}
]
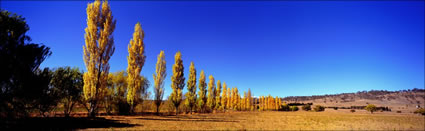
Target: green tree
[
  {"x": 202, "y": 99},
  {"x": 20, "y": 83},
  {"x": 177, "y": 81},
  {"x": 159, "y": 80},
  {"x": 49, "y": 97},
  {"x": 191, "y": 88},
  {"x": 371, "y": 108},
  {"x": 98, "y": 49},
  {"x": 136, "y": 59},
  {"x": 118, "y": 92},
  {"x": 69, "y": 84}
]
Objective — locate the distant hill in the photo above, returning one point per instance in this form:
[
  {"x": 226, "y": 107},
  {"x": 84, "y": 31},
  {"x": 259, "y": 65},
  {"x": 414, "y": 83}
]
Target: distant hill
[{"x": 407, "y": 100}]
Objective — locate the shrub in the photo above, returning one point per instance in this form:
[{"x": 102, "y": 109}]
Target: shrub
[
  {"x": 420, "y": 111},
  {"x": 284, "y": 107},
  {"x": 335, "y": 108},
  {"x": 371, "y": 108},
  {"x": 318, "y": 108},
  {"x": 306, "y": 107},
  {"x": 352, "y": 110},
  {"x": 398, "y": 111},
  {"x": 293, "y": 108}
]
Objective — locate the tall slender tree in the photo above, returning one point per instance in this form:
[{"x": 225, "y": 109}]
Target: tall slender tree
[
  {"x": 224, "y": 96},
  {"x": 249, "y": 100},
  {"x": 159, "y": 80},
  {"x": 211, "y": 93},
  {"x": 244, "y": 102},
  {"x": 98, "y": 49},
  {"x": 136, "y": 59},
  {"x": 191, "y": 88},
  {"x": 217, "y": 95},
  {"x": 202, "y": 99},
  {"x": 177, "y": 81},
  {"x": 229, "y": 98}
]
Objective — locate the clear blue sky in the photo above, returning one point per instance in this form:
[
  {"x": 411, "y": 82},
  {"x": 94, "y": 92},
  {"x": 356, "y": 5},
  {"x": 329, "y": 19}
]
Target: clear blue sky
[{"x": 278, "y": 48}]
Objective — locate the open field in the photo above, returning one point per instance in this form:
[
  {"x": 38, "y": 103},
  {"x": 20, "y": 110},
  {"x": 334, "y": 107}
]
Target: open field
[
  {"x": 267, "y": 120},
  {"x": 273, "y": 120}
]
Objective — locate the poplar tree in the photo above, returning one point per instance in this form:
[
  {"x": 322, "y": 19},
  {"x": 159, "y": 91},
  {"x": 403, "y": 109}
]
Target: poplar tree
[
  {"x": 217, "y": 96},
  {"x": 202, "y": 100},
  {"x": 249, "y": 100},
  {"x": 280, "y": 103},
  {"x": 211, "y": 93},
  {"x": 136, "y": 59},
  {"x": 224, "y": 96},
  {"x": 98, "y": 49},
  {"x": 229, "y": 98},
  {"x": 191, "y": 88},
  {"x": 177, "y": 81},
  {"x": 159, "y": 80},
  {"x": 235, "y": 98},
  {"x": 276, "y": 100},
  {"x": 244, "y": 101}
]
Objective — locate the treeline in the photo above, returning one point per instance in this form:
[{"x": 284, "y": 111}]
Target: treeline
[
  {"x": 371, "y": 95},
  {"x": 25, "y": 88}
]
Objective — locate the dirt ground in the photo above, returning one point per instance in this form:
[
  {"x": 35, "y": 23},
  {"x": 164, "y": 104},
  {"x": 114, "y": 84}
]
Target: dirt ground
[{"x": 273, "y": 120}]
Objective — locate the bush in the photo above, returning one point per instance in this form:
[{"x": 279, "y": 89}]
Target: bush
[
  {"x": 352, "y": 110},
  {"x": 306, "y": 107},
  {"x": 371, "y": 108},
  {"x": 335, "y": 108},
  {"x": 284, "y": 107},
  {"x": 398, "y": 111},
  {"x": 318, "y": 108},
  {"x": 293, "y": 108},
  {"x": 420, "y": 111}
]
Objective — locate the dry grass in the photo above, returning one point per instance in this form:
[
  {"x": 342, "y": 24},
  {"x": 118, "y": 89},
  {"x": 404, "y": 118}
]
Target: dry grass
[{"x": 272, "y": 120}]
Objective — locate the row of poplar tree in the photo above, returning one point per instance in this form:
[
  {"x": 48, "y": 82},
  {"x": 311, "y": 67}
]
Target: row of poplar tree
[{"x": 99, "y": 47}]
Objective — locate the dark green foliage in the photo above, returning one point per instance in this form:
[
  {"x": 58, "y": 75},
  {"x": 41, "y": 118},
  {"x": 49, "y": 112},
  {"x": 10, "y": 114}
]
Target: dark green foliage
[
  {"x": 69, "y": 85},
  {"x": 284, "y": 107},
  {"x": 22, "y": 87},
  {"x": 420, "y": 111},
  {"x": 306, "y": 107},
  {"x": 293, "y": 108},
  {"x": 318, "y": 108},
  {"x": 49, "y": 96}
]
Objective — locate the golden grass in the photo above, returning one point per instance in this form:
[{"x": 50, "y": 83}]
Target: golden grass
[{"x": 273, "y": 120}]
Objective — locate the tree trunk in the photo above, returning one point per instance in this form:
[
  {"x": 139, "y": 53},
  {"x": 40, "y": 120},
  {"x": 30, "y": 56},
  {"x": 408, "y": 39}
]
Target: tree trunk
[
  {"x": 131, "y": 109},
  {"x": 92, "y": 111},
  {"x": 157, "y": 110},
  {"x": 177, "y": 110}
]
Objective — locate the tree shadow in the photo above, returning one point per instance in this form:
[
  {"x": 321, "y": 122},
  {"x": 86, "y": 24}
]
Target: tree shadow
[
  {"x": 186, "y": 118},
  {"x": 61, "y": 123}
]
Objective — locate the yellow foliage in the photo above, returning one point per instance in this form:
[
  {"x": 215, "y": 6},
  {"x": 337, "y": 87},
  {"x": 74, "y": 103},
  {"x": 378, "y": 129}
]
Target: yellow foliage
[
  {"x": 98, "y": 49},
  {"x": 191, "y": 87},
  {"x": 159, "y": 79},
  {"x": 202, "y": 91},
  {"x": 211, "y": 93},
  {"x": 136, "y": 59},
  {"x": 224, "y": 96},
  {"x": 177, "y": 81},
  {"x": 217, "y": 95}
]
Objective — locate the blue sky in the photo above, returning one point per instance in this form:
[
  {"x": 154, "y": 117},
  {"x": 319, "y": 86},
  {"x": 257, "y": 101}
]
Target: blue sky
[{"x": 279, "y": 48}]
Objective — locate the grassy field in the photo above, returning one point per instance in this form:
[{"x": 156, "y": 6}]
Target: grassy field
[{"x": 273, "y": 120}]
